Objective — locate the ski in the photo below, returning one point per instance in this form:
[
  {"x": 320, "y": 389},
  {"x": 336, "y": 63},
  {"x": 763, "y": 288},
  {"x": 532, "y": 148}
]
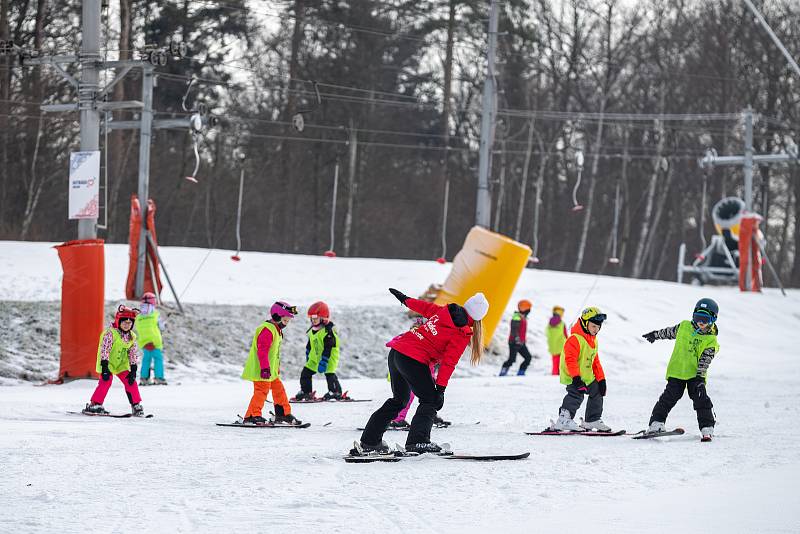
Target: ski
[
  {"x": 644, "y": 434},
  {"x": 398, "y": 456},
  {"x": 267, "y": 425},
  {"x": 114, "y": 415},
  {"x": 407, "y": 428},
  {"x": 314, "y": 399},
  {"x": 549, "y": 432}
]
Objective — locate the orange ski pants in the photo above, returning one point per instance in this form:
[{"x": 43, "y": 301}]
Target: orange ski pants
[{"x": 260, "y": 391}]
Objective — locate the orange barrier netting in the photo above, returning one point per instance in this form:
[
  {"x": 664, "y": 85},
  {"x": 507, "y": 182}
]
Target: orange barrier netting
[
  {"x": 749, "y": 253},
  {"x": 152, "y": 259},
  {"x": 82, "y": 297}
]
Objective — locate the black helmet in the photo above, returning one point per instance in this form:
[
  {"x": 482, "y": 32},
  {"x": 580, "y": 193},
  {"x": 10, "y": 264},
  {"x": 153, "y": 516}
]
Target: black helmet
[{"x": 708, "y": 306}]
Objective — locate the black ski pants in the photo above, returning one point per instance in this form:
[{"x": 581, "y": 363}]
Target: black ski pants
[
  {"x": 305, "y": 381},
  {"x": 407, "y": 375},
  {"x": 574, "y": 398},
  {"x": 673, "y": 393},
  {"x": 513, "y": 349}
]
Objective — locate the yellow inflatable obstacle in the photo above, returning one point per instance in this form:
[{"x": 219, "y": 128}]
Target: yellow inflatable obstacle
[{"x": 488, "y": 262}]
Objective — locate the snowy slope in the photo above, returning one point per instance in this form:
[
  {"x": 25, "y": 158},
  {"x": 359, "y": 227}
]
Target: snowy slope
[{"x": 180, "y": 473}]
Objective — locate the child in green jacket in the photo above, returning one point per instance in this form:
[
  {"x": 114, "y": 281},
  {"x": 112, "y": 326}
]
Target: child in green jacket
[
  {"x": 322, "y": 354},
  {"x": 695, "y": 346}
]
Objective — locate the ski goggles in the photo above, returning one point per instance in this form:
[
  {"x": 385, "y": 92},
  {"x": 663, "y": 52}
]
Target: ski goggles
[
  {"x": 702, "y": 317},
  {"x": 290, "y": 309}
]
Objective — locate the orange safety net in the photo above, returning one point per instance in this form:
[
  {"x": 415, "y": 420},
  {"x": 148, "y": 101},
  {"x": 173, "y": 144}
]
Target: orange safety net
[
  {"x": 750, "y": 275},
  {"x": 82, "y": 295},
  {"x": 152, "y": 258}
]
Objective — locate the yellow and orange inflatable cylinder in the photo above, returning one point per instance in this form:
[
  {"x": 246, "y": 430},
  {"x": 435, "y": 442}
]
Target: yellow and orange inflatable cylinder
[{"x": 488, "y": 262}]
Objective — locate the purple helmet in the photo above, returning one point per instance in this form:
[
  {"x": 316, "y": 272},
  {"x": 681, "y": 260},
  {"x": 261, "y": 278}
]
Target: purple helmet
[{"x": 282, "y": 309}]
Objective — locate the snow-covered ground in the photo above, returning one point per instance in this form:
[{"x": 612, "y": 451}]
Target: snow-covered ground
[{"x": 178, "y": 472}]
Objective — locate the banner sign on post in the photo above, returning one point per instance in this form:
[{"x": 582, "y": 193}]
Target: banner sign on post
[{"x": 84, "y": 185}]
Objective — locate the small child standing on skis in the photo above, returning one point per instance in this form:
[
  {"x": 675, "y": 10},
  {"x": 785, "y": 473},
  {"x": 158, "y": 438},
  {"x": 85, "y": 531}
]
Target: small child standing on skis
[
  {"x": 262, "y": 367},
  {"x": 582, "y": 373},
  {"x": 322, "y": 354},
  {"x": 117, "y": 355},
  {"x": 556, "y": 333},
  {"x": 148, "y": 334},
  {"x": 516, "y": 339},
  {"x": 695, "y": 346}
]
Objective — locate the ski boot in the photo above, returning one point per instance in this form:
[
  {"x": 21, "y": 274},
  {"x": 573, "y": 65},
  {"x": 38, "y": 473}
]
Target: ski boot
[
  {"x": 92, "y": 408},
  {"x": 421, "y": 448},
  {"x": 438, "y": 422},
  {"x": 521, "y": 372},
  {"x": 707, "y": 433},
  {"x": 159, "y": 382},
  {"x": 565, "y": 423},
  {"x": 362, "y": 449},
  {"x": 288, "y": 420},
  {"x": 399, "y": 425},
  {"x": 254, "y": 420},
  {"x": 137, "y": 410},
  {"x": 332, "y": 395},
  {"x": 503, "y": 371},
  {"x": 302, "y": 396},
  {"x": 598, "y": 426},
  {"x": 145, "y": 381},
  {"x": 655, "y": 427}
]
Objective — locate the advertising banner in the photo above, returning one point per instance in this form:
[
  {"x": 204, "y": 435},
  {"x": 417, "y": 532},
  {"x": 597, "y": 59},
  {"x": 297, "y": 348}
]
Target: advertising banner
[{"x": 84, "y": 185}]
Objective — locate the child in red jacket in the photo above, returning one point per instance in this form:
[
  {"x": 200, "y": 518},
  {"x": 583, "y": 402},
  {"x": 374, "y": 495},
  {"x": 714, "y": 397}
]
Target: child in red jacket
[{"x": 441, "y": 340}]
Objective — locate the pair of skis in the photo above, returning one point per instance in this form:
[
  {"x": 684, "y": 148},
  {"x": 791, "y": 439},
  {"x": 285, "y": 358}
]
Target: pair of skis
[
  {"x": 314, "y": 399},
  {"x": 400, "y": 454},
  {"x": 239, "y": 423},
  {"x": 643, "y": 434},
  {"x": 114, "y": 415}
]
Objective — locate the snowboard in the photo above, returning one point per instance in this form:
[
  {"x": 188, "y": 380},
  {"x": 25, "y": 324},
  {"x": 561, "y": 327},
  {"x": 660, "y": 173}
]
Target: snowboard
[
  {"x": 643, "y": 434},
  {"x": 315, "y": 399},
  {"x": 268, "y": 425},
  {"x": 548, "y": 432},
  {"x": 114, "y": 415}
]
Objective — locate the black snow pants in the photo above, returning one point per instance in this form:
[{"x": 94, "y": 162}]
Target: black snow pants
[
  {"x": 407, "y": 375},
  {"x": 673, "y": 393},
  {"x": 305, "y": 381},
  {"x": 513, "y": 349},
  {"x": 574, "y": 398}
]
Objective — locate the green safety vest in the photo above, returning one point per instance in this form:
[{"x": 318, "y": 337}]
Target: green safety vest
[
  {"x": 585, "y": 361},
  {"x": 147, "y": 330},
  {"x": 555, "y": 338},
  {"x": 252, "y": 367},
  {"x": 316, "y": 340},
  {"x": 689, "y": 346},
  {"x": 118, "y": 356}
]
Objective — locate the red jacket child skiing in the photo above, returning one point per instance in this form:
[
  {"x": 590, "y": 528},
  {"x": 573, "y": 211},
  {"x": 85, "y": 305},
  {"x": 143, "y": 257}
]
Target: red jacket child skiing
[{"x": 441, "y": 339}]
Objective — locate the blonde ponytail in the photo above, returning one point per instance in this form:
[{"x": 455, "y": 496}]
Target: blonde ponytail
[{"x": 476, "y": 343}]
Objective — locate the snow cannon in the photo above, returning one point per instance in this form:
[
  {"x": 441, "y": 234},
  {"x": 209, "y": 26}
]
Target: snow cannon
[{"x": 487, "y": 262}]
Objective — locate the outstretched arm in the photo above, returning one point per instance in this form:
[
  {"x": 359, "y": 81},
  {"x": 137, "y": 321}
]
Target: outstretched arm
[{"x": 671, "y": 332}]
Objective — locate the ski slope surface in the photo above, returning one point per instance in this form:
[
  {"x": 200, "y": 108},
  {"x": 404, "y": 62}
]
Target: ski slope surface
[{"x": 178, "y": 472}]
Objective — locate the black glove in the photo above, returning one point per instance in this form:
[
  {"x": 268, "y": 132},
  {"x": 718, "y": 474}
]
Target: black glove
[
  {"x": 602, "y": 385},
  {"x": 132, "y": 374},
  {"x": 698, "y": 384},
  {"x": 439, "y": 397},
  {"x": 398, "y": 295},
  {"x": 650, "y": 336},
  {"x": 105, "y": 374},
  {"x": 579, "y": 384}
]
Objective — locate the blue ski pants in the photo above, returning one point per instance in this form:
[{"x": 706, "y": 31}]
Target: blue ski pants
[{"x": 157, "y": 358}]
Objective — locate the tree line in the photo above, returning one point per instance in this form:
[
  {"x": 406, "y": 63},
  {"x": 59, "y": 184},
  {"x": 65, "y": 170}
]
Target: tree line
[{"x": 604, "y": 104}]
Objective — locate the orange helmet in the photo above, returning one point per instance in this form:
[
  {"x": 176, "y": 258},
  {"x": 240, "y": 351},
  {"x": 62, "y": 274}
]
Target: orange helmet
[
  {"x": 558, "y": 310},
  {"x": 320, "y": 309},
  {"x": 524, "y": 305}
]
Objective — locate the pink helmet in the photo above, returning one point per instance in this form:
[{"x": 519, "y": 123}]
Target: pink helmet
[
  {"x": 282, "y": 309},
  {"x": 149, "y": 298}
]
